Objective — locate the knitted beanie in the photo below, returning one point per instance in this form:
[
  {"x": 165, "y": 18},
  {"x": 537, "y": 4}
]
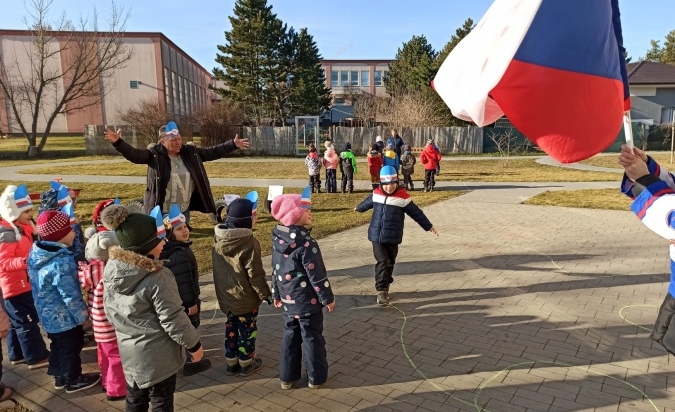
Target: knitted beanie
[
  {"x": 48, "y": 201},
  {"x": 239, "y": 214},
  {"x": 287, "y": 209},
  {"x": 378, "y": 139},
  {"x": 348, "y": 146},
  {"x": 13, "y": 202},
  {"x": 53, "y": 226},
  {"x": 136, "y": 232}
]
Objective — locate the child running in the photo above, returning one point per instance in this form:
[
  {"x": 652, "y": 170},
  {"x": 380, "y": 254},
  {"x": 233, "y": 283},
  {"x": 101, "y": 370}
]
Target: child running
[
  {"x": 301, "y": 287},
  {"x": 241, "y": 286},
  {"x": 390, "y": 204}
]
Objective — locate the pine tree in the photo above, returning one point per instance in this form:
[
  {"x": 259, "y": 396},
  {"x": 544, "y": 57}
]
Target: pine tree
[
  {"x": 250, "y": 59},
  {"x": 665, "y": 54},
  {"x": 460, "y": 33},
  {"x": 309, "y": 95},
  {"x": 412, "y": 68}
]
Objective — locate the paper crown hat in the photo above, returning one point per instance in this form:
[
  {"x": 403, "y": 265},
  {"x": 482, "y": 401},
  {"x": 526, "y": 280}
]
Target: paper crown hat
[
  {"x": 171, "y": 130},
  {"x": 175, "y": 218},
  {"x": 306, "y": 198},
  {"x": 68, "y": 211},
  {"x": 388, "y": 175},
  {"x": 253, "y": 197},
  {"x": 156, "y": 212},
  {"x": 21, "y": 197},
  {"x": 62, "y": 193}
]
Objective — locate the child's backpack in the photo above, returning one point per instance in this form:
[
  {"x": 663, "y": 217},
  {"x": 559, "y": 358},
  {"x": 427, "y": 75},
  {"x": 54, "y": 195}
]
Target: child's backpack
[{"x": 345, "y": 161}]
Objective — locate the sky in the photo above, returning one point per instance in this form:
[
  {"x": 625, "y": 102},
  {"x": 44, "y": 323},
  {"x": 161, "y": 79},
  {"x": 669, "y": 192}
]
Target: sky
[{"x": 345, "y": 29}]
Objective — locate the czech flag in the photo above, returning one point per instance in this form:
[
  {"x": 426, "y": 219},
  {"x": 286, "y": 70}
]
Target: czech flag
[{"x": 555, "y": 68}]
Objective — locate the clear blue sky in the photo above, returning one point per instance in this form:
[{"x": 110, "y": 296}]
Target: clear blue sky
[{"x": 348, "y": 29}]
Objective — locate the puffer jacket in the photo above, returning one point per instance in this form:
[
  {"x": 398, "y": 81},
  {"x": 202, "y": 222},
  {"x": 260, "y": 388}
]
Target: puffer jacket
[
  {"x": 159, "y": 171},
  {"x": 408, "y": 163},
  {"x": 430, "y": 157},
  {"x": 13, "y": 258},
  {"x": 313, "y": 163},
  {"x": 390, "y": 158},
  {"x": 238, "y": 274},
  {"x": 330, "y": 159},
  {"x": 386, "y": 224},
  {"x": 374, "y": 162},
  {"x": 58, "y": 297},
  {"x": 141, "y": 301},
  {"x": 181, "y": 261},
  {"x": 299, "y": 277},
  {"x": 347, "y": 159}
]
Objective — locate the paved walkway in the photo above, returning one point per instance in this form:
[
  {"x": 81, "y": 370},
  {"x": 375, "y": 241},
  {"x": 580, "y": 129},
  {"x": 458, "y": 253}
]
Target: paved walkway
[{"x": 512, "y": 308}]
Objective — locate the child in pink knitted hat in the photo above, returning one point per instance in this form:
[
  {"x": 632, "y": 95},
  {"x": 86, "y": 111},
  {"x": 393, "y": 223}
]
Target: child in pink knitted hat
[{"x": 300, "y": 285}]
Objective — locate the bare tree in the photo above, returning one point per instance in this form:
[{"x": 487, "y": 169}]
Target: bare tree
[
  {"x": 65, "y": 68},
  {"x": 219, "y": 122},
  {"x": 146, "y": 117},
  {"x": 507, "y": 144}
]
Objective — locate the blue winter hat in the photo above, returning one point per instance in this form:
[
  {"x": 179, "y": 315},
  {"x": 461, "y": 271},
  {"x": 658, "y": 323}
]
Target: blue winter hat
[{"x": 388, "y": 175}]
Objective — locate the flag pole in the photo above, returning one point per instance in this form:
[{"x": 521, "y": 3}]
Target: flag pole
[{"x": 628, "y": 129}]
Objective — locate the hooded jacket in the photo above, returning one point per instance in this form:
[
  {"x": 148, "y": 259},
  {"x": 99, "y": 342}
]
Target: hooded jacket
[
  {"x": 142, "y": 302},
  {"x": 13, "y": 258},
  {"x": 299, "y": 277},
  {"x": 181, "y": 261},
  {"x": 389, "y": 210},
  {"x": 313, "y": 163},
  {"x": 408, "y": 163},
  {"x": 430, "y": 157},
  {"x": 159, "y": 171},
  {"x": 238, "y": 274},
  {"x": 347, "y": 159},
  {"x": 56, "y": 290},
  {"x": 330, "y": 158},
  {"x": 374, "y": 162}
]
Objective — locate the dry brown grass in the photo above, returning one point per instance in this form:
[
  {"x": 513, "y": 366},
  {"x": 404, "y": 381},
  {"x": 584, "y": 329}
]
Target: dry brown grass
[
  {"x": 332, "y": 212},
  {"x": 518, "y": 170},
  {"x": 609, "y": 199}
]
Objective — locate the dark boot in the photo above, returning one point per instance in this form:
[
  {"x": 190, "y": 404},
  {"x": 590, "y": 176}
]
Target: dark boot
[{"x": 192, "y": 368}]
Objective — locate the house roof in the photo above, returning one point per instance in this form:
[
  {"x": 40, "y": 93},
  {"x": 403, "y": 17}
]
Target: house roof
[{"x": 645, "y": 72}]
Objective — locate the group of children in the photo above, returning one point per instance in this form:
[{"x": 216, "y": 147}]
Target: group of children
[
  {"x": 397, "y": 155},
  {"x": 140, "y": 287}
]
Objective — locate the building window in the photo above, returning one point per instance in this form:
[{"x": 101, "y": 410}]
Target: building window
[
  {"x": 344, "y": 78},
  {"x": 354, "y": 78},
  {"x": 378, "y": 78},
  {"x": 334, "y": 75},
  {"x": 339, "y": 100},
  {"x": 174, "y": 86},
  {"x": 365, "y": 78},
  {"x": 133, "y": 84}
]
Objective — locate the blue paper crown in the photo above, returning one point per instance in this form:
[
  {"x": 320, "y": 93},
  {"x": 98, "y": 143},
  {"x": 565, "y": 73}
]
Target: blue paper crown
[
  {"x": 175, "y": 217},
  {"x": 171, "y": 130},
  {"x": 306, "y": 198},
  {"x": 68, "y": 211},
  {"x": 388, "y": 174},
  {"x": 253, "y": 197},
  {"x": 117, "y": 201},
  {"x": 21, "y": 197},
  {"x": 156, "y": 212}
]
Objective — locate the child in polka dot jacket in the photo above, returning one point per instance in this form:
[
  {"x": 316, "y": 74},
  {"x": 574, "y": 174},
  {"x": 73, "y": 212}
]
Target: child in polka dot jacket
[{"x": 300, "y": 285}]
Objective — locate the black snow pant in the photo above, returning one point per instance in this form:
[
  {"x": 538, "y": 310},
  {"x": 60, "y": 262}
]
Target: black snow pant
[
  {"x": 303, "y": 337},
  {"x": 315, "y": 182},
  {"x": 429, "y": 179},
  {"x": 348, "y": 179},
  {"x": 385, "y": 256},
  {"x": 331, "y": 180}
]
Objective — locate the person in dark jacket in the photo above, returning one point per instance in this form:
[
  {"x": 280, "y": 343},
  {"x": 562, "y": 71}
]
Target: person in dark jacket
[
  {"x": 390, "y": 204},
  {"x": 396, "y": 141},
  {"x": 176, "y": 171},
  {"x": 300, "y": 285},
  {"x": 241, "y": 286}
]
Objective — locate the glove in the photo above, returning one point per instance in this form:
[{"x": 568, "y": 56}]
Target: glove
[{"x": 269, "y": 300}]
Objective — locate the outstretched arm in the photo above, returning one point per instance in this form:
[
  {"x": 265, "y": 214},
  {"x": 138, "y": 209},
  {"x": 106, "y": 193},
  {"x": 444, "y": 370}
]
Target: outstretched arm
[{"x": 366, "y": 205}]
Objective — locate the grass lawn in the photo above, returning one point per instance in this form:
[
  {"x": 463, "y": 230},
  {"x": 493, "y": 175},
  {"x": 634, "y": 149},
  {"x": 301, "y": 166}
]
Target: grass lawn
[
  {"x": 332, "y": 212},
  {"x": 611, "y": 161},
  {"x": 609, "y": 199},
  {"x": 518, "y": 170}
]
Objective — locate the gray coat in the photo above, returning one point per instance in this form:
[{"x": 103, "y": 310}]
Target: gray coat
[{"x": 142, "y": 302}]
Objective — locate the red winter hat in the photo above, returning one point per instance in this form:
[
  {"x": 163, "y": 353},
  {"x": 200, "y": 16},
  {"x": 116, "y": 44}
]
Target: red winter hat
[
  {"x": 53, "y": 226},
  {"x": 97, "y": 214}
]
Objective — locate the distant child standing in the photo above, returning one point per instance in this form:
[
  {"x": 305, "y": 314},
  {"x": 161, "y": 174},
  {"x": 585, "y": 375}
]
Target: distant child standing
[
  {"x": 430, "y": 158},
  {"x": 390, "y": 157},
  {"x": 374, "y": 165},
  {"x": 241, "y": 285},
  {"x": 301, "y": 287},
  {"x": 390, "y": 204},
  {"x": 58, "y": 298},
  {"x": 313, "y": 163},
  {"x": 408, "y": 167},
  {"x": 179, "y": 258},
  {"x": 91, "y": 280},
  {"x": 17, "y": 233},
  {"x": 330, "y": 163},
  {"x": 348, "y": 168}
]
